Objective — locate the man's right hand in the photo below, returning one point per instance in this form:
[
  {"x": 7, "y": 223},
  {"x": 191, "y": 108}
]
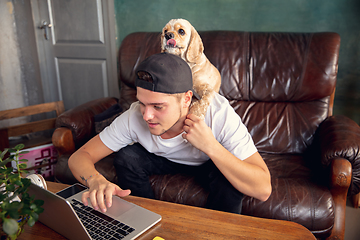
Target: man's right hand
[{"x": 101, "y": 192}]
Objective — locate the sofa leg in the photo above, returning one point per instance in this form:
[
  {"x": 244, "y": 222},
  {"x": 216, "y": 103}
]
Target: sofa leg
[
  {"x": 341, "y": 172},
  {"x": 356, "y": 200}
]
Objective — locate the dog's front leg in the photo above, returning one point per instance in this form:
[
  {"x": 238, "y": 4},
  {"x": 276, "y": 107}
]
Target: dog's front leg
[{"x": 199, "y": 107}]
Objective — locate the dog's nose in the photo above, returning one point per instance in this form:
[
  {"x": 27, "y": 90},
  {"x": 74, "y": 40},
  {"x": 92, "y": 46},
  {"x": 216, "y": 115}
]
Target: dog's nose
[{"x": 169, "y": 35}]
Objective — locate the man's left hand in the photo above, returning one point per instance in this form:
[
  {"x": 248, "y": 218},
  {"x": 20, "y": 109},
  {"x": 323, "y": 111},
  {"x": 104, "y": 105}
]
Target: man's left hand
[{"x": 198, "y": 133}]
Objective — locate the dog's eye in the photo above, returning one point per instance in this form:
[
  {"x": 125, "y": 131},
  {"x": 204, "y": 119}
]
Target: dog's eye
[
  {"x": 181, "y": 32},
  {"x": 165, "y": 31}
]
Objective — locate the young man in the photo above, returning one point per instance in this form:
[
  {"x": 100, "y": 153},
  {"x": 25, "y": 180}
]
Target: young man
[{"x": 157, "y": 135}]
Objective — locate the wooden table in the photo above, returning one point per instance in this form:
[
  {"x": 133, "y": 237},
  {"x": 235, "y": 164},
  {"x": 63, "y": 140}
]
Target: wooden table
[{"x": 186, "y": 222}]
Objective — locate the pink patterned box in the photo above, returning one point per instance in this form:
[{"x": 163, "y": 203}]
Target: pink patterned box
[{"x": 44, "y": 156}]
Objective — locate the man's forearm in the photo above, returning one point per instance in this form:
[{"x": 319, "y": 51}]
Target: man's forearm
[
  {"x": 81, "y": 163},
  {"x": 81, "y": 166}
]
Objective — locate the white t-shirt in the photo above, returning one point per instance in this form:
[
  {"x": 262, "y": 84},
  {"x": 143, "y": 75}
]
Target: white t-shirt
[{"x": 226, "y": 126}]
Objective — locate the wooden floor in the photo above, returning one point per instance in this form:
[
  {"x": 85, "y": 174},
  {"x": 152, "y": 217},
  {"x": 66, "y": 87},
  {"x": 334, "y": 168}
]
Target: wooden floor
[{"x": 352, "y": 222}]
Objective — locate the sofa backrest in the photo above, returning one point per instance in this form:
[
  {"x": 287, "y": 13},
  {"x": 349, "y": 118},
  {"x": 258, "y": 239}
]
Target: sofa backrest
[{"x": 282, "y": 85}]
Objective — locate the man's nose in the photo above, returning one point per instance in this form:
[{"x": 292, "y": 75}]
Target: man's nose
[{"x": 148, "y": 114}]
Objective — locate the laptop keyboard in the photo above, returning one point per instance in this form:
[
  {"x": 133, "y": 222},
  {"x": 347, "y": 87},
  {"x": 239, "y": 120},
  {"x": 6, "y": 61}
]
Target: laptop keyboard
[{"x": 99, "y": 225}]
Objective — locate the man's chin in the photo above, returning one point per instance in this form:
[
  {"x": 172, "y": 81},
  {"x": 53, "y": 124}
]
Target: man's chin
[{"x": 155, "y": 132}]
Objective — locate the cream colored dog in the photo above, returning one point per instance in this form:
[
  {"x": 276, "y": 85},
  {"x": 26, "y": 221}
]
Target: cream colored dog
[{"x": 179, "y": 37}]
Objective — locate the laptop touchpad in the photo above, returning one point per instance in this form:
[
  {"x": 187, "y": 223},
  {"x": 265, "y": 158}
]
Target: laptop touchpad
[{"x": 118, "y": 207}]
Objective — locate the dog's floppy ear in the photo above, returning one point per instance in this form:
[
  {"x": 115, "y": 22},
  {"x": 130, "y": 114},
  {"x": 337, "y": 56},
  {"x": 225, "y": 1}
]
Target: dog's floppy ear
[
  {"x": 161, "y": 40},
  {"x": 195, "y": 46}
]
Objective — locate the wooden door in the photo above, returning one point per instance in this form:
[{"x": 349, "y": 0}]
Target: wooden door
[{"x": 77, "y": 50}]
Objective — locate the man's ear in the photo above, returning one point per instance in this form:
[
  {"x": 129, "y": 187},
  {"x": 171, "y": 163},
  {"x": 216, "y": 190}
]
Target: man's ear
[{"x": 188, "y": 98}]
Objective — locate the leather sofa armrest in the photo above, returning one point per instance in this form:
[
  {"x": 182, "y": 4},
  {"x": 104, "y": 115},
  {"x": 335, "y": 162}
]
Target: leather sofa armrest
[
  {"x": 63, "y": 140},
  {"x": 339, "y": 137},
  {"x": 80, "y": 120}
]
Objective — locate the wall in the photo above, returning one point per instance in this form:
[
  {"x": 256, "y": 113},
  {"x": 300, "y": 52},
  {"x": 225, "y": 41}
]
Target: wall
[
  {"x": 341, "y": 16},
  {"x": 20, "y": 83},
  {"x": 10, "y": 72}
]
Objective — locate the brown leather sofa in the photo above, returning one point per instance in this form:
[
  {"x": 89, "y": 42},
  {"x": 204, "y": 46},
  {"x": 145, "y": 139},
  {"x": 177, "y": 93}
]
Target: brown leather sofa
[{"x": 282, "y": 85}]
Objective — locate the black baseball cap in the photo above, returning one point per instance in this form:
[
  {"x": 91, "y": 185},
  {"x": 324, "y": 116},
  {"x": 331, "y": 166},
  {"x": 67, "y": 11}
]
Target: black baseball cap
[{"x": 170, "y": 74}]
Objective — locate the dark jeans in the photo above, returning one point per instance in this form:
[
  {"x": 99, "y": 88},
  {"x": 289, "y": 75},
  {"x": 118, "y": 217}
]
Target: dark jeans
[{"x": 134, "y": 164}]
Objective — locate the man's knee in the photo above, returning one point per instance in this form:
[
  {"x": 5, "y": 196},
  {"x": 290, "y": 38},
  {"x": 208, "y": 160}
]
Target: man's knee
[
  {"x": 130, "y": 157},
  {"x": 132, "y": 170}
]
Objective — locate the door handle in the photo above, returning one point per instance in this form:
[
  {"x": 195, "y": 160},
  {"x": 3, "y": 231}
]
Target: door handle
[{"x": 45, "y": 25}]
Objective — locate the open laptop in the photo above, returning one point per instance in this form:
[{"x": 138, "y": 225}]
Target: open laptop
[{"x": 65, "y": 214}]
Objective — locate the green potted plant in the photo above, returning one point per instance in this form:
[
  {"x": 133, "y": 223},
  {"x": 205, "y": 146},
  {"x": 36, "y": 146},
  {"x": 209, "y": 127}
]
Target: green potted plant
[{"x": 15, "y": 213}]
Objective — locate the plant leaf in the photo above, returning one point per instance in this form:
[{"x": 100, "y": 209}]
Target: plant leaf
[
  {"x": 39, "y": 202},
  {"x": 35, "y": 216},
  {"x": 10, "y": 150},
  {"x": 26, "y": 182},
  {"x": 15, "y": 176},
  {"x": 22, "y": 165},
  {"x": 2, "y": 154},
  {"x": 19, "y": 146},
  {"x": 10, "y": 226},
  {"x": 31, "y": 221},
  {"x": 3, "y": 163},
  {"x": 10, "y": 188},
  {"x": 6, "y": 171},
  {"x": 15, "y": 205}
]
